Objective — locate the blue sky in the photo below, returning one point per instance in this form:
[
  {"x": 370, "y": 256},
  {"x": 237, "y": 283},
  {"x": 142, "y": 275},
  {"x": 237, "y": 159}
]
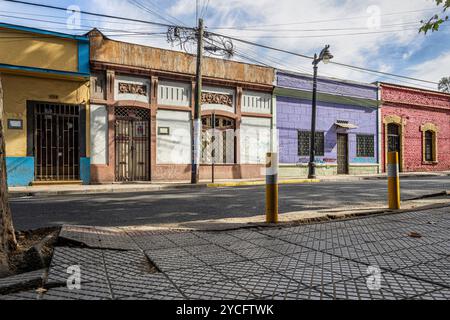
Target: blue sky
[{"x": 377, "y": 34}]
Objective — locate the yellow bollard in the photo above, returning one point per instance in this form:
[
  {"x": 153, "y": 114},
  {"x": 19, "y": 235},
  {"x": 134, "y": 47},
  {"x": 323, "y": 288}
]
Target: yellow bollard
[
  {"x": 393, "y": 181},
  {"x": 272, "y": 188}
]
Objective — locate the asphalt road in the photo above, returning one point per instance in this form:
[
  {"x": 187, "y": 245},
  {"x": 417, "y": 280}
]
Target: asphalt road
[{"x": 200, "y": 204}]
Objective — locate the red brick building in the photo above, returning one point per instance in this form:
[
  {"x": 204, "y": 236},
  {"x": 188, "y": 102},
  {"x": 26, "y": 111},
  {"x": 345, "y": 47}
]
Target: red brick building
[{"x": 416, "y": 123}]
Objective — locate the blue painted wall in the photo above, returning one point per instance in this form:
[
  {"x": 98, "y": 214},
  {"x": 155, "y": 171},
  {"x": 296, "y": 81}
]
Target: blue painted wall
[
  {"x": 20, "y": 171},
  {"x": 85, "y": 170}
]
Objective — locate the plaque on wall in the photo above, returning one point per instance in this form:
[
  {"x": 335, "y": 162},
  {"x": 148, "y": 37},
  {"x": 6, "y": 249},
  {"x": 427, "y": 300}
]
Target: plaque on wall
[{"x": 15, "y": 124}]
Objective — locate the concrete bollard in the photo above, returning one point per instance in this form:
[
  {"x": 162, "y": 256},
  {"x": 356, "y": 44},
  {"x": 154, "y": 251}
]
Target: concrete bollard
[
  {"x": 272, "y": 187},
  {"x": 393, "y": 181}
]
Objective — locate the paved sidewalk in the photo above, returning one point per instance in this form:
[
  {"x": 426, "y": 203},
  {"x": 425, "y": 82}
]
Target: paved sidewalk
[{"x": 314, "y": 261}]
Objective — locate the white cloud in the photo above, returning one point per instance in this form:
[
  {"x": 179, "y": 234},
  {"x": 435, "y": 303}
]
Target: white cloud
[{"x": 434, "y": 69}]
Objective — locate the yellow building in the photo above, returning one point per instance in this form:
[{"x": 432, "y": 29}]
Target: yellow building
[{"x": 45, "y": 80}]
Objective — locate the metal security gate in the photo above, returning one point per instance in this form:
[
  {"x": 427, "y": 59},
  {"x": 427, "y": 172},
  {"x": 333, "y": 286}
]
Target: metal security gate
[
  {"x": 132, "y": 144},
  {"x": 56, "y": 142},
  {"x": 342, "y": 153}
]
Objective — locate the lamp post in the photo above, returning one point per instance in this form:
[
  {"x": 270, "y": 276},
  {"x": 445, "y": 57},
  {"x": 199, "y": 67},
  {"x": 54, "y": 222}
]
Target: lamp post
[{"x": 324, "y": 56}]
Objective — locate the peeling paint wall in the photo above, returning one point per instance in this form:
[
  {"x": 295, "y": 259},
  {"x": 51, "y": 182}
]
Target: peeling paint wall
[{"x": 121, "y": 53}]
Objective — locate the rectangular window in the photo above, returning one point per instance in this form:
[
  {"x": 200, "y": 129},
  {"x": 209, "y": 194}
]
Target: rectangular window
[
  {"x": 303, "y": 143},
  {"x": 365, "y": 146}
]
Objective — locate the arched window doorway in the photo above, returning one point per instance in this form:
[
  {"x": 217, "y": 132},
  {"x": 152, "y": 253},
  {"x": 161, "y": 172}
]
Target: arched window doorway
[{"x": 218, "y": 140}]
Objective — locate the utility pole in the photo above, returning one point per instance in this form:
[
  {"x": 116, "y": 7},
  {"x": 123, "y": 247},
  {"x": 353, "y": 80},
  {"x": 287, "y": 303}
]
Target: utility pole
[{"x": 197, "y": 122}]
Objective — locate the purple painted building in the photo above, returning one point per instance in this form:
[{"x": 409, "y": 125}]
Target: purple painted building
[{"x": 347, "y": 127}]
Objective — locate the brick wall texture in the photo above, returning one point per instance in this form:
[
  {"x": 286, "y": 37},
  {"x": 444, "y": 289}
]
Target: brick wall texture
[{"x": 418, "y": 107}]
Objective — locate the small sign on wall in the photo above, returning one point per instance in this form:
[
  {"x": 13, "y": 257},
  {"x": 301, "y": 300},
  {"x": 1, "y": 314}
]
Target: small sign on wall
[
  {"x": 15, "y": 124},
  {"x": 163, "y": 131}
]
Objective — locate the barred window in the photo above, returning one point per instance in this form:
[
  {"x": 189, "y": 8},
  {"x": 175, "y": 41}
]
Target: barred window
[
  {"x": 429, "y": 146},
  {"x": 303, "y": 143},
  {"x": 365, "y": 146}
]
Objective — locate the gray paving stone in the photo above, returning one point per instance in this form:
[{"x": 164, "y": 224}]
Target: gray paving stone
[
  {"x": 269, "y": 284},
  {"x": 281, "y": 263},
  {"x": 417, "y": 255},
  {"x": 221, "y": 239},
  {"x": 205, "y": 249},
  {"x": 287, "y": 248},
  {"x": 388, "y": 261},
  {"x": 22, "y": 295},
  {"x": 312, "y": 276},
  {"x": 249, "y": 234},
  {"x": 356, "y": 290},
  {"x": 350, "y": 269},
  {"x": 428, "y": 272},
  {"x": 257, "y": 253},
  {"x": 220, "y": 258},
  {"x": 139, "y": 285},
  {"x": 165, "y": 264},
  {"x": 88, "y": 291},
  {"x": 169, "y": 253},
  {"x": 222, "y": 290},
  {"x": 315, "y": 257},
  {"x": 191, "y": 277},
  {"x": 318, "y": 244},
  {"x": 349, "y": 253},
  {"x": 306, "y": 294},
  {"x": 267, "y": 242},
  {"x": 58, "y": 274},
  {"x": 133, "y": 263},
  {"x": 296, "y": 238},
  {"x": 172, "y": 294},
  {"x": 405, "y": 286},
  {"x": 21, "y": 280},
  {"x": 240, "y": 245},
  {"x": 443, "y": 294},
  {"x": 241, "y": 269},
  {"x": 76, "y": 256}
]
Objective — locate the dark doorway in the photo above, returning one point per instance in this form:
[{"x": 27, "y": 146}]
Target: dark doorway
[
  {"x": 342, "y": 153},
  {"x": 57, "y": 141},
  {"x": 132, "y": 144},
  {"x": 394, "y": 140}
]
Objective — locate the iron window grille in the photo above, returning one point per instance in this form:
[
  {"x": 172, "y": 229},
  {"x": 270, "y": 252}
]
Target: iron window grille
[
  {"x": 429, "y": 152},
  {"x": 365, "y": 146},
  {"x": 303, "y": 143}
]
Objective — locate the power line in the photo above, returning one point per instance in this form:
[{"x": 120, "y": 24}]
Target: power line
[
  {"x": 333, "y": 62},
  {"x": 154, "y": 12},
  {"x": 319, "y": 21},
  {"x": 329, "y": 35},
  {"x": 93, "y": 13},
  {"x": 317, "y": 29}
]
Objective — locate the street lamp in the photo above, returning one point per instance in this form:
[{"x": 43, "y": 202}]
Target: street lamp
[{"x": 324, "y": 56}]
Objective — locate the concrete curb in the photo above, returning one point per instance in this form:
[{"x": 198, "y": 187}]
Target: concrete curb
[
  {"x": 105, "y": 190},
  {"x": 206, "y": 225}
]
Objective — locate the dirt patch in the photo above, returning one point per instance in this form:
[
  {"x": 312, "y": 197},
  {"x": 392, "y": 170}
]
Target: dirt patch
[{"x": 34, "y": 250}]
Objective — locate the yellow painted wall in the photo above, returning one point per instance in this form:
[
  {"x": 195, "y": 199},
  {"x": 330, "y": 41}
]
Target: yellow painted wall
[
  {"x": 39, "y": 51},
  {"x": 17, "y": 89}
]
